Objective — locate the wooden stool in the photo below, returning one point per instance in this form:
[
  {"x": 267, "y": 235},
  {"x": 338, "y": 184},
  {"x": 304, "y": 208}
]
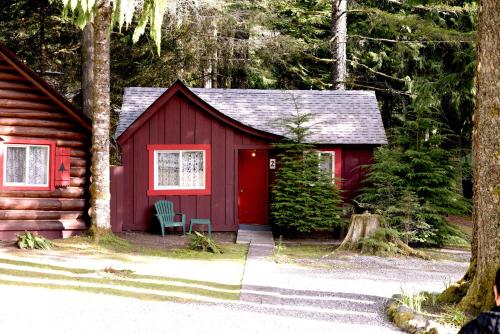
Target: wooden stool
[{"x": 202, "y": 221}]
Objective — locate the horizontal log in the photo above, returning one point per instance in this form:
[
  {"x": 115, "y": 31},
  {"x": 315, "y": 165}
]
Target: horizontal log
[
  {"x": 79, "y": 153},
  {"x": 17, "y": 95},
  {"x": 77, "y": 182},
  {"x": 29, "y": 114},
  {"x": 18, "y": 104},
  {"x": 52, "y": 204},
  {"x": 81, "y": 145},
  {"x": 70, "y": 192},
  {"x": 39, "y": 215},
  {"x": 78, "y": 171},
  {"x": 11, "y": 77},
  {"x": 32, "y": 131},
  {"x": 17, "y": 86},
  {"x": 78, "y": 162},
  {"x": 37, "y": 225},
  {"x": 72, "y": 143},
  {"x": 36, "y": 123}
]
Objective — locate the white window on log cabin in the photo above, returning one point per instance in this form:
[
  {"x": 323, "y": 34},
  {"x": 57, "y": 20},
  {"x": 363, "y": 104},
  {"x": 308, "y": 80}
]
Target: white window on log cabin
[
  {"x": 26, "y": 165},
  {"x": 179, "y": 169},
  {"x": 327, "y": 163}
]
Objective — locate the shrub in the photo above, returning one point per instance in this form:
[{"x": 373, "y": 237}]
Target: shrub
[
  {"x": 27, "y": 240},
  {"x": 202, "y": 243}
]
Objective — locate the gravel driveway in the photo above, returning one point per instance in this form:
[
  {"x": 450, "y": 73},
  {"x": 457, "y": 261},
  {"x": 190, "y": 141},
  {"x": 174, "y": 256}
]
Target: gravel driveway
[{"x": 348, "y": 297}]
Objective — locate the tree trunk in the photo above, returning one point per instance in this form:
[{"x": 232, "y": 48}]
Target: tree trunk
[
  {"x": 87, "y": 67},
  {"x": 338, "y": 43},
  {"x": 486, "y": 161},
  {"x": 362, "y": 226},
  {"x": 100, "y": 188}
]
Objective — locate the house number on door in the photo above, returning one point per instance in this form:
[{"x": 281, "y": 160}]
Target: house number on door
[{"x": 272, "y": 163}]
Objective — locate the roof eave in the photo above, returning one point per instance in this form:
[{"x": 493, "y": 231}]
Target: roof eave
[{"x": 180, "y": 87}]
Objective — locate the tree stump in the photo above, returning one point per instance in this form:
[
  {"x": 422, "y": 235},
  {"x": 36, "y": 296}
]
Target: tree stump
[{"x": 362, "y": 226}]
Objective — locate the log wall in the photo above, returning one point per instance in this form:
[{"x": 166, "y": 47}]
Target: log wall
[{"x": 27, "y": 113}]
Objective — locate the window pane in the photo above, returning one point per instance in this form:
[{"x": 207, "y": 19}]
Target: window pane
[
  {"x": 168, "y": 169},
  {"x": 193, "y": 175},
  {"x": 16, "y": 165},
  {"x": 326, "y": 163},
  {"x": 38, "y": 165}
]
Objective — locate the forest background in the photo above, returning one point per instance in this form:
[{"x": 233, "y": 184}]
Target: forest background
[{"x": 418, "y": 56}]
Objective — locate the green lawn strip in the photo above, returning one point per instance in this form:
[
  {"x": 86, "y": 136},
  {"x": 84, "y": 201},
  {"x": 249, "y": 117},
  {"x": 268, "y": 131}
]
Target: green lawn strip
[
  {"x": 124, "y": 274},
  {"x": 46, "y": 266},
  {"x": 98, "y": 290},
  {"x": 125, "y": 283},
  {"x": 235, "y": 287},
  {"x": 119, "y": 245},
  {"x": 306, "y": 251}
]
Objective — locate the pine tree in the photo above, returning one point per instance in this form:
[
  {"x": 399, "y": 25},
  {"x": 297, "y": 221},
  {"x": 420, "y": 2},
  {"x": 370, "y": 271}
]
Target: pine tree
[{"x": 304, "y": 197}]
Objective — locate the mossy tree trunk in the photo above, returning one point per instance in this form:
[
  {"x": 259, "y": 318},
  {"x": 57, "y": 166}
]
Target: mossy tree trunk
[
  {"x": 100, "y": 187},
  {"x": 486, "y": 162}
]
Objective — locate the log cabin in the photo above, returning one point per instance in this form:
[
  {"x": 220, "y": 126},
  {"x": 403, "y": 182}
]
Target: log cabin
[
  {"x": 210, "y": 151},
  {"x": 44, "y": 156}
]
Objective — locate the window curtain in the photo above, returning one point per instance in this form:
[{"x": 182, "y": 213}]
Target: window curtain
[
  {"x": 38, "y": 165},
  {"x": 168, "y": 169},
  {"x": 15, "y": 171},
  {"x": 192, "y": 170}
]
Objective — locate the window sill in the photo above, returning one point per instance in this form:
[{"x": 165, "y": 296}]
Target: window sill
[{"x": 184, "y": 192}]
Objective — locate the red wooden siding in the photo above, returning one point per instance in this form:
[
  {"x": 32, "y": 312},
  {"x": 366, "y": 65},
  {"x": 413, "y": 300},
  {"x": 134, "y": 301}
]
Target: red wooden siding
[
  {"x": 179, "y": 121},
  {"x": 354, "y": 172}
]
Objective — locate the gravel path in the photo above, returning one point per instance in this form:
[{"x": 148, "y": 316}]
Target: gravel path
[{"x": 346, "y": 297}]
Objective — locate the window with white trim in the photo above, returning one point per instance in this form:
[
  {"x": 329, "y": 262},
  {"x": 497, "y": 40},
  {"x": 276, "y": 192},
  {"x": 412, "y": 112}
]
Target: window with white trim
[
  {"x": 179, "y": 169},
  {"x": 26, "y": 165},
  {"x": 327, "y": 163}
]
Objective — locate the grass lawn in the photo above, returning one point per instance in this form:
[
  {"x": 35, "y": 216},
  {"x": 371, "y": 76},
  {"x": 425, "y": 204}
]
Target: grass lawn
[
  {"x": 118, "y": 246},
  {"x": 119, "y": 267}
]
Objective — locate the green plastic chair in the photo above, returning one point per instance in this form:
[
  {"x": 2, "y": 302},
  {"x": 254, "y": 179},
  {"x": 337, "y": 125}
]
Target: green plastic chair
[{"x": 165, "y": 214}]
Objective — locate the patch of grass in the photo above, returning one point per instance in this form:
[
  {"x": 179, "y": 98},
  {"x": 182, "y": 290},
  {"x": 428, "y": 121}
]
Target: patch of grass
[
  {"x": 121, "y": 273},
  {"x": 113, "y": 243},
  {"x": 413, "y": 301},
  {"x": 98, "y": 290},
  {"x": 234, "y": 295},
  {"x": 46, "y": 266},
  {"x": 456, "y": 241},
  {"x": 436, "y": 254},
  {"x": 306, "y": 251},
  {"x": 453, "y": 315}
]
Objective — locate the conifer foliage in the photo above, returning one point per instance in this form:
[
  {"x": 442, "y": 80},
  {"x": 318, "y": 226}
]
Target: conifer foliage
[
  {"x": 412, "y": 182},
  {"x": 304, "y": 197}
]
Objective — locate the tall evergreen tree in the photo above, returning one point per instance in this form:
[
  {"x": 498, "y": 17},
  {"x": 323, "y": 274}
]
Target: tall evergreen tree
[{"x": 304, "y": 197}]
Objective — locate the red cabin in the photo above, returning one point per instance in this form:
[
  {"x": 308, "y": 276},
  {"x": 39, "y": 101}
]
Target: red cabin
[
  {"x": 44, "y": 156},
  {"x": 209, "y": 151}
]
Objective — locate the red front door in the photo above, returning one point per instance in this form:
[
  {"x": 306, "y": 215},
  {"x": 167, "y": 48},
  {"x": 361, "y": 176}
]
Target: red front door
[{"x": 252, "y": 186}]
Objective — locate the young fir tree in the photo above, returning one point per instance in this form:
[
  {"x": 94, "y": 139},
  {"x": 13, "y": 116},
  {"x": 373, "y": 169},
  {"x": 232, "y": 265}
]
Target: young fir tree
[
  {"x": 304, "y": 197},
  {"x": 412, "y": 182}
]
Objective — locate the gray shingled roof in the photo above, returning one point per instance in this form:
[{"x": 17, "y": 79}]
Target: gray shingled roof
[{"x": 338, "y": 117}]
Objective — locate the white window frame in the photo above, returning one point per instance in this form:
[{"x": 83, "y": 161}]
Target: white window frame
[
  {"x": 180, "y": 186},
  {"x": 25, "y": 184},
  {"x": 332, "y": 153}
]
